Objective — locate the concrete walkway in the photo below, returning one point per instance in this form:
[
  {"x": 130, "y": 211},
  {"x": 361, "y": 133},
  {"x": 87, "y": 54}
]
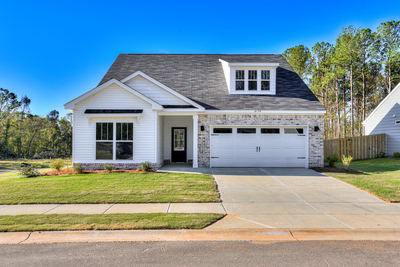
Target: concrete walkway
[
  {"x": 298, "y": 198},
  {"x": 111, "y": 208}
]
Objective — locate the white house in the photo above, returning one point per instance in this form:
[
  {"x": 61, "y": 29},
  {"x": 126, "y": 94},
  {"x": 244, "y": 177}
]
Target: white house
[
  {"x": 211, "y": 110},
  {"x": 386, "y": 119}
]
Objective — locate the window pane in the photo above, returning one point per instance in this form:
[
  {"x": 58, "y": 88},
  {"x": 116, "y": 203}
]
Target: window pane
[
  {"x": 246, "y": 130},
  {"x": 179, "y": 140},
  {"x": 264, "y": 85},
  {"x": 104, "y": 150},
  {"x": 124, "y": 131},
  {"x": 265, "y": 75},
  {"x": 252, "y": 85},
  {"x": 130, "y": 131},
  {"x": 239, "y": 85},
  {"x": 270, "y": 130},
  {"x": 110, "y": 131},
  {"x": 124, "y": 150},
  {"x": 98, "y": 131},
  {"x": 119, "y": 132},
  {"x": 294, "y": 130},
  {"x": 240, "y": 75},
  {"x": 222, "y": 130},
  {"x": 252, "y": 75},
  {"x": 104, "y": 131}
]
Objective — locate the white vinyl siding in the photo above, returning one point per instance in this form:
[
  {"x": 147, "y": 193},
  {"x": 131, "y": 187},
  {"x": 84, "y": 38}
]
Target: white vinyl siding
[
  {"x": 154, "y": 92},
  {"x": 383, "y": 121},
  {"x": 178, "y": 121},
  {"x": 113, "y": 97}
]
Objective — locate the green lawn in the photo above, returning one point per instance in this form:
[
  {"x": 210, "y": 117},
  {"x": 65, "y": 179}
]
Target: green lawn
[
  {"x": 13, "y": 164},
  {"x": 59, "y": 222},
  {"x": 108, "y": 188},
  {"x": 381, "y": 177}
]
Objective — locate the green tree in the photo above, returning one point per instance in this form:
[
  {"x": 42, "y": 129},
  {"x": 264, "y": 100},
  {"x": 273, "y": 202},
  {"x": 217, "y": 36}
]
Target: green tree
[
  {"x": 299, "y": 58},
  {"x": 389, "y": 44}
]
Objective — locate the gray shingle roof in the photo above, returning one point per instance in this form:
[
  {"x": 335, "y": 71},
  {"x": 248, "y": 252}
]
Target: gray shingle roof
[{"x": 200, "y": 77}]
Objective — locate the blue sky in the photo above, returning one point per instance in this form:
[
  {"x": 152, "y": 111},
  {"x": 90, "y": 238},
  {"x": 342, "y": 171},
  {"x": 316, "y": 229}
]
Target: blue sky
[{"x": 54, "y": 51}]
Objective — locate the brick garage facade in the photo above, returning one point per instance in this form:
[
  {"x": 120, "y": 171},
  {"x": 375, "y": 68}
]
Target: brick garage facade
[{"x": 315, "y": 139}]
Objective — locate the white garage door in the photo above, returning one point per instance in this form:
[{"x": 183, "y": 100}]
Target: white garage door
[{"x": 258, "y": 146}]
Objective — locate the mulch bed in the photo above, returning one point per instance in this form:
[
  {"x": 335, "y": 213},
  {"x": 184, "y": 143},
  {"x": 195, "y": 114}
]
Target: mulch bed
[
  {"x": 70, "y": 171},
  {"x": 336, "y": 169}
]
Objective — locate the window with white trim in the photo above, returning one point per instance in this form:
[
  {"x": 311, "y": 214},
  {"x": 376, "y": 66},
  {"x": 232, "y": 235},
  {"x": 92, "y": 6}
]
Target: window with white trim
[
  {"x": 265, "y": 77},
  {"x": 239, "y": 80},
  {"x": 110, "y": 146},
  {"x": 252, "y": 80}
]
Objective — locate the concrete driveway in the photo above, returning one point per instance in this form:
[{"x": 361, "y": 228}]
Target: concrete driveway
[{"x": 298, "y": 198}]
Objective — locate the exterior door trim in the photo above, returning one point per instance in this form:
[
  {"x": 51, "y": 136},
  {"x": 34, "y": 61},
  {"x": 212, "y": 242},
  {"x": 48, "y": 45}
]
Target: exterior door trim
[{"x": 174, "y": 156}]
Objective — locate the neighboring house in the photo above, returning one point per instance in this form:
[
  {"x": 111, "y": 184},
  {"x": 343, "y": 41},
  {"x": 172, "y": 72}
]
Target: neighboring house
[
  {"x": 386, "y": 119},
  {"x": 209, "y": 110}
]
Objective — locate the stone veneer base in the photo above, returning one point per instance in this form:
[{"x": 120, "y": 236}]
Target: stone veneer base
[{"x": 117, "y": 166}]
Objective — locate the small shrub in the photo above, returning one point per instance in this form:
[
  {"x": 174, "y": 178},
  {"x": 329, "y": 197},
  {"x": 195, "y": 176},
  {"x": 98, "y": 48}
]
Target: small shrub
[
  {"x": 332, "y": 159},
  {"x": 145, "y": 166},
  {"x": 108, "y": 167},
  {"x": 57, "y": 164},
  {"x": 78, "y": 168},
  {"x": 381, "y": 154},
  {"x": 396, "y": 154},
  {"x": 28, "y": 172},
  {"x": 346, "y": 161}
]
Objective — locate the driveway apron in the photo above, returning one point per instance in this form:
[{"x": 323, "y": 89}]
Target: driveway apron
[{"x": 298, "y": 198}]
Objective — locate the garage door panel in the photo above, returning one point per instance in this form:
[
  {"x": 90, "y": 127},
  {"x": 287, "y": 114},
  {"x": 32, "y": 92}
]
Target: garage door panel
[{"x": 258, "y": 150}]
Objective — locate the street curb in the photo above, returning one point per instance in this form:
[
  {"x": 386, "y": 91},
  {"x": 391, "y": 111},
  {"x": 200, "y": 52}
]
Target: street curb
[{"x": 256, "y": 234}]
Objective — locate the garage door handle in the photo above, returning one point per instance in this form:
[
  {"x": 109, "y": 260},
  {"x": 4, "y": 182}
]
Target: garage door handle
[{"x": 215, "y": 157}]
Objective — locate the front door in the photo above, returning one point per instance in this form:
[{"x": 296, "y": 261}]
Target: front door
[{"x": 178, "y": 153}]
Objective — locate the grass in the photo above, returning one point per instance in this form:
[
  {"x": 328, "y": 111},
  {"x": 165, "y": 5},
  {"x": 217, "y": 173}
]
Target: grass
[
  {"x": 381, "y": 177},
  {"x": 59, "y": 222},
  {"x": 13, "y": 164},
  {"x": 108, "y": 188}
]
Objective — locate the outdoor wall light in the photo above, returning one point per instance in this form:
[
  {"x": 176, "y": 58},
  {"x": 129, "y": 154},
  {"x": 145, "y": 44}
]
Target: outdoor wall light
[
  {"x": 202, "y": 128},
  {"x": 316, "y": 128}
]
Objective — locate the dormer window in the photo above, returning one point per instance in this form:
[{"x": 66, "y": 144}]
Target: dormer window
[
  {"x": 252, "y": 80},
  {"x": 265, "y": 80},
  {"x": 240, "y": 80}
]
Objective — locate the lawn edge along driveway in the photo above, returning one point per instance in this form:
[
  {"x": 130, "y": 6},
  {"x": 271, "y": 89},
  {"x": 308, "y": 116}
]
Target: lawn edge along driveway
[
  {"x": 145, "y": 221},
  {"x": 109, "y": 188},
  {"x": 380, "y": 177}
]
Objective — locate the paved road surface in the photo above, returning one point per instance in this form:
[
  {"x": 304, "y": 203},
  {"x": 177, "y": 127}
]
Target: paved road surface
[{"x": 305, "y": 253}]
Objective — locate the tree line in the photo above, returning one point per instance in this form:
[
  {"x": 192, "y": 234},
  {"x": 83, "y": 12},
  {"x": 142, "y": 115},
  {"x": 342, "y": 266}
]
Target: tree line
[
  {"x": 24, "y": 135},
  {"x": 352, "y": 76}
]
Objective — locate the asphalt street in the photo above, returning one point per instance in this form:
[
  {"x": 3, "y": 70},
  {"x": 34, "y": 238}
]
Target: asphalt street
[{"x": 218, "y": 253}]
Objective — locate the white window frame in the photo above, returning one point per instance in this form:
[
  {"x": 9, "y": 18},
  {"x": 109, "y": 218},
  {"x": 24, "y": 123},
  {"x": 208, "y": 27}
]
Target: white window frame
[
  {"x": 272, "y": 77},
  {"x": 114, "y": 141}
]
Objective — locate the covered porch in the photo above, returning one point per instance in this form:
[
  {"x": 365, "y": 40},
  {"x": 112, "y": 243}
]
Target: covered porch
[{"x": 178, "y": 140}]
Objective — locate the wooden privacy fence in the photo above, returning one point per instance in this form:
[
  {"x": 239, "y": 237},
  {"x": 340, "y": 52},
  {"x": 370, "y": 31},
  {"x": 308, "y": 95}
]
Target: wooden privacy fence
[{"x": 361, "y": 147}]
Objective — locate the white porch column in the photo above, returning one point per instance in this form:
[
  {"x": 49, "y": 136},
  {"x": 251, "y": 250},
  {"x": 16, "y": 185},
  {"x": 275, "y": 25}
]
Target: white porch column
[{"x": 195, "y": 139}]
